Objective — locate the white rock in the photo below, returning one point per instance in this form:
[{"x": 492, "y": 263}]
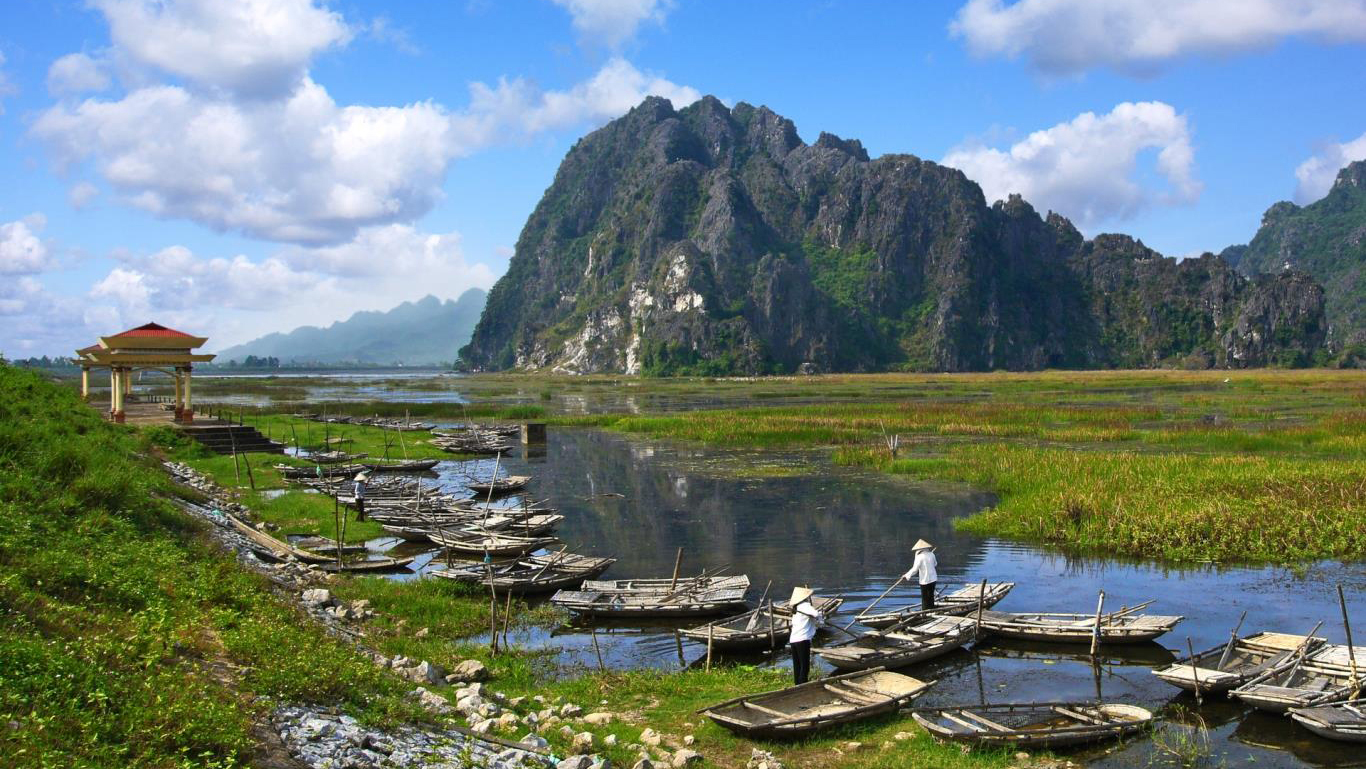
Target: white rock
[
  {"x": 610, "y": 740},
  {"x": 651, "y": 737},
  {"x": 421, "y": 633},
  {"x": 688, "y": 739},
  {"x": 901, "y": 736},
  {"x": 644, "y": 763},
  {"x": 575, "y": 762},
  {"x": 316, "y": 596},
  {"x": 431, "y": 700},
  {"x": 507, "y": 721},
  {"x": 482, "y": 726},
  {"x": 686, "y": 757},
  {"x": 582, "y": 743},
  {"x": 534, "y": 740},
  {"x": 597, "y": 719},
  {"x": 570, "y": 710},
  {"x": 470, "y": 670}
]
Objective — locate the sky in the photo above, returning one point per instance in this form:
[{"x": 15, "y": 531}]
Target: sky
[{"x": 236, "y": 168}]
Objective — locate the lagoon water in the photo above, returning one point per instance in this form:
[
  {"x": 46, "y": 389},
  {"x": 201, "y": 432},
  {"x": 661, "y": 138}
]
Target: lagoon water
[{"x": 794, "y": 519}]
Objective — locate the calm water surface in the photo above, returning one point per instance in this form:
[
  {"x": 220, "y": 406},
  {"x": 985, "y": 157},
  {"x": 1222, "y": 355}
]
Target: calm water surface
[{"x": 848, "y": 533}]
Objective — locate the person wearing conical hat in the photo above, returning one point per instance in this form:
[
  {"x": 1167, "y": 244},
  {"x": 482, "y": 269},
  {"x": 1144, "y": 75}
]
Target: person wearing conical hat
[
  {"x": 805, "y": 618},
  {"x": 924, "y": 572},
  {"x": 359, "y": 493}
]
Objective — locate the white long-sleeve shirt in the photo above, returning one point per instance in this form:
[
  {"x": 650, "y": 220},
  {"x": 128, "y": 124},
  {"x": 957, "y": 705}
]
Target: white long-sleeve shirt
[
  {"x": 923, "y": 568},
  {"x": 805, "y": 618}
]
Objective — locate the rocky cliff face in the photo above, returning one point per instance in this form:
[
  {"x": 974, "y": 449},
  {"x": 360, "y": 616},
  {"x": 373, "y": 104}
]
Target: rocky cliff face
[
  {"x": 713, "y": 240},
  {"x": 1327, "y": 240}
]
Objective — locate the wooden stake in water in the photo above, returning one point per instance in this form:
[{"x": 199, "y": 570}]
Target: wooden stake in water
[
  {"x": 1195, "y": 671},
  {"x": 507, "y": 619},
  {"x": 488, "y": 503},
  {"x": 596, "y": 649},
  {"x": 711, "y": 627},
  {"x": 493, "y": 611},
  {"x": 1095, "y": 632},
  {"x": 772, "y": 642},
  {"x": 981, "y": 604},
  {"x": 1351, "y": 652},
  {"x": 678, "y": 561}
]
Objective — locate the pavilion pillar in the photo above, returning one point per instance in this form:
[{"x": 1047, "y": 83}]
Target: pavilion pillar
[
  {"x": 85, "y": 383},
  {"x": 113, "y": 391},
  {"x": 188, "y": 414},
  {"x": 122, "y": 379},
  {"x": 179, "y": 395}
]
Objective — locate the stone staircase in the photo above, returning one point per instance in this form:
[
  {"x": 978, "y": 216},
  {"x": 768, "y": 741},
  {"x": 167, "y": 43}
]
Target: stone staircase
[{"x": 221, "y": 437}]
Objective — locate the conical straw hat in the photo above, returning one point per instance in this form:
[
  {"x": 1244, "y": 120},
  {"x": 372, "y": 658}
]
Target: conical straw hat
[
  {"x": 922, "y": 545},
  {"x": 800, "y": 594},
  {"x": 362, "y": 476}
]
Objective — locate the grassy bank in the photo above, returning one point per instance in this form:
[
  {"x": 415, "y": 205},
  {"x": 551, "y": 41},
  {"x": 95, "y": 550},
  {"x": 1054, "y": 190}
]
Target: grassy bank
[
  {"x": 121, "y": 632},
  {"x": 1263, "y": 467}
]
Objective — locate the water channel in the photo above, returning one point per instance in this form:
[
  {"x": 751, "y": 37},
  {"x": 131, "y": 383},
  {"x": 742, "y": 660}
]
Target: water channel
[
  {"x": 847, "y": 533},
  {"x": 794, "y": 518}
]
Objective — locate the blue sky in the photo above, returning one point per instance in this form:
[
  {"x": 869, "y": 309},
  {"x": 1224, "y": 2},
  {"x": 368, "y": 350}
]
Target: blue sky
[{"x": 239, "y": 168}]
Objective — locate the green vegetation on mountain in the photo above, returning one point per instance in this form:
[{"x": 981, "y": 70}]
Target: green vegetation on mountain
[
  {"x": 426, "y": 332},
  {"x": 1327, "y": 240},
  {"x": 710, "y": 240}
]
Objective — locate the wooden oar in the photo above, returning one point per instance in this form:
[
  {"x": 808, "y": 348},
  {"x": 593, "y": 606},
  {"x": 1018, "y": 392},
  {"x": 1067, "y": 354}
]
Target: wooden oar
[
  {"x": 1228, "y": 650},
  {"x": 550, "y": 562},
  {"x": 755, "y": 616},
  {"x": 885, "y": 593},
  {"x": 1125, "y": 612}
]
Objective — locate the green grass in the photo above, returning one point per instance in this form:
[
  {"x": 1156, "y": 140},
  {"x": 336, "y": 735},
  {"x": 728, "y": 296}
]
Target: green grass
[{"x": 117, "y": 621}]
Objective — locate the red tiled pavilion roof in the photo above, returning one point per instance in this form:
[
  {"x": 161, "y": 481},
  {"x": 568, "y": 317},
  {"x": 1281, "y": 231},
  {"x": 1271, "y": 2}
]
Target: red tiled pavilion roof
[
  {"x": 91, "y": 348},
  {"x": 153, "y": 329}
]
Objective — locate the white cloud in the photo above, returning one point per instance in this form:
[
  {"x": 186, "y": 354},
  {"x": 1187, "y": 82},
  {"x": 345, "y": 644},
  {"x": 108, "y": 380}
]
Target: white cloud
[
  {"x": 81, "y": 193},
  {"x": 256, "y": 48},
  {"x": 304, "y": 169},
  {"x": 1071, "y": 36},
  {"x": 21, "y": 250},
  {"x": 77, "y": 73},
  {"x": 613, "y": 22},
  {"x": 235, "y": 299},
  {"x": 1085, "y": 168},
  {"x": 1316, "y": 175}
]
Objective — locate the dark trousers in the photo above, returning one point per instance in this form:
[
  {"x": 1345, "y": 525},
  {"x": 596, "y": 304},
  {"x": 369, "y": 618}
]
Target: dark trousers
[
  {"x": 360, "y": 509},
  {"x": 927, "y": 595},
  {"x": 801, "y": 661}
]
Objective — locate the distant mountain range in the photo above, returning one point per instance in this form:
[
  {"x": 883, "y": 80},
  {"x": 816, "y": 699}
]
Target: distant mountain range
[
  {"x": 713, "y": 240},
  {"x": 426, "y": 332}
]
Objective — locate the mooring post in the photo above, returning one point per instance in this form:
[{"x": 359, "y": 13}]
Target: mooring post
[{"x": 1095, "y": 632}]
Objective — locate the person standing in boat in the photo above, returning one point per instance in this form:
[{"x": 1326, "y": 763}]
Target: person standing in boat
[
  {"x": 924, "y": 571},
  {"x": 359, "y": 493},
  {"x": 805, "y": 619}
]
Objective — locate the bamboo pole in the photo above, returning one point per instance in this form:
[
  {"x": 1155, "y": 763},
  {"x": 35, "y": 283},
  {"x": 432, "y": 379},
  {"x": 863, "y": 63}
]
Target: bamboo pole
[
  {"x": 981, "y": 604},
  {"x": 1351, "y": 652},
  {"x": 678, "y": 561},
  {"x": 711, "y": 628},
  {"x": 755, "y": 617},
  {"x": 1232, "y": 640},
  {"x": 678, "y": 642},
  {"x": 246, "y": 460},
  {"x": 772, "y": 642},
  {"x": 488, "y": 503},
  {"x": 602, "y": 668},
  {"x": 493, "y": 611},
  {"x": 885, "y": 593},
  {"x": 1095, "y": 632},
  {"x": 507, "y": 619},
  {"x": 1195, "y": 671}
]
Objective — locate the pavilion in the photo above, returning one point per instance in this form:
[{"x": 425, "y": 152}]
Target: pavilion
[{"x": 149, "y": 347}]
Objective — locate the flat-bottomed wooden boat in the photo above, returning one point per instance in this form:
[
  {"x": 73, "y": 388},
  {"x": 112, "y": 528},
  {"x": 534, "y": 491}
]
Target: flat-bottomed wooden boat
[
  {"x": 533, "y": 574},
  {"x": 1037, "y": 725},
  {"x": 1077, "y": 628},
  {"x": 799, "y": 710},
  {"x": 766, "y": 627},
  {"x": 902, "y": 646},
  {"x": 958, "y": 602},
  {"x": 1343, "y": 721},
  {"x": 1225, "y": 667},
  {"x": 1322, "y": 676}
]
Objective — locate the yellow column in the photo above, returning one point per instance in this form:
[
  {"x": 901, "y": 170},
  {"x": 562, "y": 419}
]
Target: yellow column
[
  {"x": 122, "y": 379},
  {"x": 189, "y": 405},
  {"x": 175, "y": 376},
  {"x": 85, "y": 383}
]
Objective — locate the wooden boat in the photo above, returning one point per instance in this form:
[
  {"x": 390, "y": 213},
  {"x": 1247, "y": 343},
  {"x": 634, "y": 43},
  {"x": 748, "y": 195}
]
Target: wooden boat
[
  {"x": 1321, "y": 676},
  {"x": 805, "y": 708},
  {"x": 327, "y": 546},
  {"x": 1344, "y": 721},
  {"x": 483, "y": 542},
  {"x": 378, "y": 564},
  {"x": 691, "y": 599},
  {"x": 667, "y": 585},
  {"x": 328, "y": 471},
  {"x": 533, "y": 574},
  {"x": 500, "y": 485},
  {"x": 414, "y": 466},
  {"x": 958, "y": 602},
  {"x": 1038, "y": 725},
  {"x": 1222, "y": 668},
  {"x": 277, "y": 548},
  {"x": 902, "y": 646},
  {"x": 1116, "y": 627},
  {"x": 758, "y": 628},
  {"x": 333, "y": 457}
]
